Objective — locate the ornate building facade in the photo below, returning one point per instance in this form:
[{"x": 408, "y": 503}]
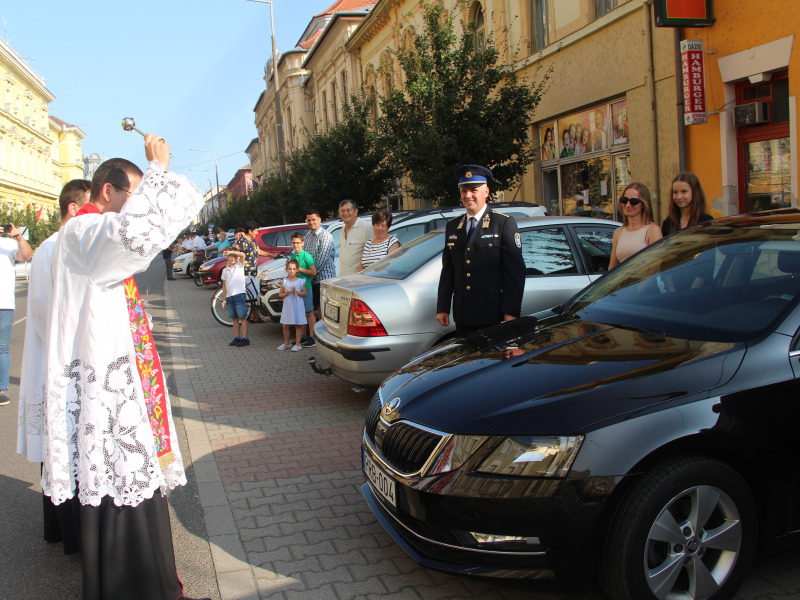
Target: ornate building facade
[{"x": 38, "y": 152}]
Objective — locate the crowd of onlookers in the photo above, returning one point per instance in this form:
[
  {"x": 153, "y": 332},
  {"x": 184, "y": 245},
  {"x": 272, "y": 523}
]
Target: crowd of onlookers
[{"x": 312, "y": 261}]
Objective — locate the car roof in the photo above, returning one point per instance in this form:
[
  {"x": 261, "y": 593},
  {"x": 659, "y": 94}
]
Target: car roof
[
  {"x": 282, "y": 227},
  {"x": 563, "y": 220}
]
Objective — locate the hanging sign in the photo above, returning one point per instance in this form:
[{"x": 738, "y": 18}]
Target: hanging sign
[
  {"x": 682, "y": 13},
  {"x": 694, "y": 82}
]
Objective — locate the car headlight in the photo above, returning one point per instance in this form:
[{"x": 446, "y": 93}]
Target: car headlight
[
  {"x": 514, "y": 456},
  {"x": 204, "y": 268},
  {"x": 533, "y": 456},
  {"x": 273, "y": 284}
]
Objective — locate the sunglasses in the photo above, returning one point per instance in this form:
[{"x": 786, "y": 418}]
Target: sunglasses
[{"x": 633, "y": 201}]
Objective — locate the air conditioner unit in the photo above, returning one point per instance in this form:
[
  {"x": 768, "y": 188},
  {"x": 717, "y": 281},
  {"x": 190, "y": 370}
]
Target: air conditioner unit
[{"x": 755, "y": 113}]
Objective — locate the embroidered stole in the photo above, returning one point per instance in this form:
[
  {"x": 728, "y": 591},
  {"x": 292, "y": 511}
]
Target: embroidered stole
[{"x": 148, "y": 366}]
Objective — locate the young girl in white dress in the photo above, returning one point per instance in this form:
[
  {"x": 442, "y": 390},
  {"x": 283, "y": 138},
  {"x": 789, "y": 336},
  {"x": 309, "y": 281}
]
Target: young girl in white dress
[{"x": 293, "y": 313}]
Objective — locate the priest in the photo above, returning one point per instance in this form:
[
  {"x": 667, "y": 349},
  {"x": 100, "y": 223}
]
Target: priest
[{"x": 109, "y": 435}]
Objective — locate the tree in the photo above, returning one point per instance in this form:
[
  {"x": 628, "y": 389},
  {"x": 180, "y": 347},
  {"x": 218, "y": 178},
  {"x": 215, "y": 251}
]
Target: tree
[
  {"x": 456, "y": 105},
  {"x": 38, "y": 230},
  {"x": 346, "y": 162}
]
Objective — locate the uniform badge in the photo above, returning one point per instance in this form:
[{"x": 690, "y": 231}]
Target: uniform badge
[
  {"x": 517, "y": 240},
  {"x": 485, "y": 224},
  {"x": 468, "y": 174}
]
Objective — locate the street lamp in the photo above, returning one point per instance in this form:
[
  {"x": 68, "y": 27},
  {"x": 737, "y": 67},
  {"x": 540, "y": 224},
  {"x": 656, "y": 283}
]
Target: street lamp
[
  {"x": 215, "y": 162},
  {"x": 276, "y": 80}
]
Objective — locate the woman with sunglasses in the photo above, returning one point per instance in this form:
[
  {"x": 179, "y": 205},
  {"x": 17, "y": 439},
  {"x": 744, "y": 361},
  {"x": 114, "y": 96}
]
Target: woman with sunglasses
[
  {"x": 688, "y": 206},
  {"x": 639, "y": 229}
]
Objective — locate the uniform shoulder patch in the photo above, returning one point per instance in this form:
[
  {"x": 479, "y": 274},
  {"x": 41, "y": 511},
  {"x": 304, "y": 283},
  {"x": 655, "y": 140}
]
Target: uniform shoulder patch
[{"x": 518, "y": 240}]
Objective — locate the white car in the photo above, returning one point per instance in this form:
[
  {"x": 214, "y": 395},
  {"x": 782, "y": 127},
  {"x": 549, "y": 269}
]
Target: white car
[
  {"x": 182, "y": 264},
  {"x": 406, "y": 227}
]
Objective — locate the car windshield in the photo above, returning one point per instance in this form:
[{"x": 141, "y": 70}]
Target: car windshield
[
  {"x": 718, "y": 283},
  {"x": 407, "y": 259}
]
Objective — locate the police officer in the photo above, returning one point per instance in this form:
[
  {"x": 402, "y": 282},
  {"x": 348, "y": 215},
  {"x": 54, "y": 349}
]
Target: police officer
[{"x": 482, "y": 267}]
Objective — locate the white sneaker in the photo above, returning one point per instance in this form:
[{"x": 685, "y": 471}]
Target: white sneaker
[
  {"x": 297, "y": 348},
  {"x": 284, "y": 346}
]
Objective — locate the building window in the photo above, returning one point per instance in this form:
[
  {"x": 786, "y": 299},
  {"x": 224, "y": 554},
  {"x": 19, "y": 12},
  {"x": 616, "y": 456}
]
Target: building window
[
  {"x": 325, "y": 111},
  {"x": 345, "y": 97},
  {"x": 479, "y": 23},
  {"x": 552, "y": 20},
  {"x": 334, "y": 103}
]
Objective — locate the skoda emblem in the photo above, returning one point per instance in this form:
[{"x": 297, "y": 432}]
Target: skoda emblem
[{"x": 391, "y": 406}]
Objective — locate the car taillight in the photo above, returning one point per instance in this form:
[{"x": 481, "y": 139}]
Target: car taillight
[{"x": 363, "y": 322}]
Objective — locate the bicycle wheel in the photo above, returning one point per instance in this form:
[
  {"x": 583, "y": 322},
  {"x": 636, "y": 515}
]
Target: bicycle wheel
[
  {"x": 220, "y": 313},
  {"x": 198, "y": 279}
]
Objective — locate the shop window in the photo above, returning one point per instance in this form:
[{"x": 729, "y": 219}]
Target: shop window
[
  {"x": 764, "y": 159},
  {"x": 550, "y": 191},
  {"x": 585, "y": 188}
]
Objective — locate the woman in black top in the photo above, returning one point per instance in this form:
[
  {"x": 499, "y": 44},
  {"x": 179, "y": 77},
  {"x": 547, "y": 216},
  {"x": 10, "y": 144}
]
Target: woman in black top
[{"x": 688, "y": 205}]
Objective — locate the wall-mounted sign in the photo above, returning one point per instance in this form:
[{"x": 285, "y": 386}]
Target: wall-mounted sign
[
  {"x": 694, "y": 82},
  {"x": 682, "y": 13}
]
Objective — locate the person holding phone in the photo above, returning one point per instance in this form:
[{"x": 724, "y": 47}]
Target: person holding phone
[{"x": 13, "y": 247}]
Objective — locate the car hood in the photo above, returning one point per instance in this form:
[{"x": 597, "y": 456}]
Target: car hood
[{"x": 559, "y": 376}]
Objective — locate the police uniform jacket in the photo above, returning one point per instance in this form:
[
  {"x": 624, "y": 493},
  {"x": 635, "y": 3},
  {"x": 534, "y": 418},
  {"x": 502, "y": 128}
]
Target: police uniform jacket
[{"x": 484, "y": 275}]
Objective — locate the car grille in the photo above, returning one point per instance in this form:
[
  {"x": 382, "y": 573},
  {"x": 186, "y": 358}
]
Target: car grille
[
  {"x": 407, "y": 447},
  {"x": 403, "y": 445}
]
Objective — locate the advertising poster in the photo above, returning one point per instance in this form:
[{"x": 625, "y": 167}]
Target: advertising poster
[
  {"x": 547, "y": 139},
  {"x": 619, "y": 117},
  {"x": 583, "y": 132}
]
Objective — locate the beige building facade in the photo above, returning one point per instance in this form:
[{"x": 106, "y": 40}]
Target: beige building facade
[
  {"x": 313, "y": 80},
  {"x": 38, "y": 152}
]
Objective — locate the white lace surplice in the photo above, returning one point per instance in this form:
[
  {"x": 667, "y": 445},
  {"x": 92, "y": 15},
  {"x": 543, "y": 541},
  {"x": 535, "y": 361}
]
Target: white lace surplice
[
  {"x": 96, "y": 425},
  {"x": 30, "y": 423}
]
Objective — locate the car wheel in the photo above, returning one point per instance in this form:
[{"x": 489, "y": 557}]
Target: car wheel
[
  {"x": 220, "y": 312},
  {"x": 190, "y": 271},
  {"x": 198, "y": 279},
  {"x": 686, "y": 530}
]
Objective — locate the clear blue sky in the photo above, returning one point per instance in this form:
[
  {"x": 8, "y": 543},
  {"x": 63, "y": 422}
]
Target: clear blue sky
[{"x": 190, "y": 71}]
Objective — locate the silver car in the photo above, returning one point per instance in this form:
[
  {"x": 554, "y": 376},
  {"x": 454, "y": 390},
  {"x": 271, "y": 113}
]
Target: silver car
[{"x": 376, "y": 321}]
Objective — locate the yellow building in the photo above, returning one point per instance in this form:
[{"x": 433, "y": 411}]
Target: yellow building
[
  {"x": 746, "y": 153},
  {"x": 38, "y": 152}
]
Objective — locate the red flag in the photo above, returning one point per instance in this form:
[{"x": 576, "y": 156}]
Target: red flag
[{"x": 39, "y": 213}]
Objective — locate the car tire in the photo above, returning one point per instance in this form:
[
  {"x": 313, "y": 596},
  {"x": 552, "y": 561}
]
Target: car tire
[
  {"x": 198, "y": 279},
  {"x": 220, "y": 312},
  {"x": 686, "y": 529}
]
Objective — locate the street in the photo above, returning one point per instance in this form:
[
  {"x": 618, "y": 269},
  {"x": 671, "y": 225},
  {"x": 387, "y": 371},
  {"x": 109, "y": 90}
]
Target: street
[{"x": 273, "y": 507}]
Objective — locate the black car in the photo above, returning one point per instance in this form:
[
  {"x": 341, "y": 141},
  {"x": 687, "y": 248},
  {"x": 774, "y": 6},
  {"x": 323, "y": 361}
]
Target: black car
[{"x": 641, "y": 435}]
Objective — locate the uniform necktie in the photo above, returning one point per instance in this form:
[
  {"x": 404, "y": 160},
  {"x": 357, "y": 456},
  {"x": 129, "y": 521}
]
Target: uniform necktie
[{"x": 471, "y": 227}]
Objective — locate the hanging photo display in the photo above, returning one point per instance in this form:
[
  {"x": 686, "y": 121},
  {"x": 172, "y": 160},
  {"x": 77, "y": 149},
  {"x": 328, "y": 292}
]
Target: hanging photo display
[
  {"x": 619, "y": 117},
  {"x": 547, "y": 138},
  {"x": 583, "y": 132}
]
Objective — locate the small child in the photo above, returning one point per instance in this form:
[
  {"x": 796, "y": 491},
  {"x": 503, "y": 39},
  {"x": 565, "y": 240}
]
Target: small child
[
  {"x": 306, "y": 272},
  {"x": 235, "y": 296},
  {"x": 292, "y": 291}
]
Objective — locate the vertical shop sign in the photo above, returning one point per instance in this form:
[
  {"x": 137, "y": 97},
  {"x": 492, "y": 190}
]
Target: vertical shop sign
[{"x": 694, "y": 82}]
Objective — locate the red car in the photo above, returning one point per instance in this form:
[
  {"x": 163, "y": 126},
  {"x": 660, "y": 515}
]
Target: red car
[{"x": 275, "y": 239}]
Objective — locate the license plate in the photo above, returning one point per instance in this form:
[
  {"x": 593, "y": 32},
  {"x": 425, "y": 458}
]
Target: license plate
[
  {"x": 332, "y": 312},
  {"x": 379, "y": 480}
]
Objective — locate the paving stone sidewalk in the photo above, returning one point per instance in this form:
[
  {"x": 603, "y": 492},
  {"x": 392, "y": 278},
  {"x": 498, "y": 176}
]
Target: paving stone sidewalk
[{"x": 276, "y": 453}]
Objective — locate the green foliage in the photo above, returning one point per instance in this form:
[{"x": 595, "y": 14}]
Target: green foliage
[
  {"x": 346, "y": 162},
  {"x": 456, "y": 105},
  {"x": 37, "y": 232}
]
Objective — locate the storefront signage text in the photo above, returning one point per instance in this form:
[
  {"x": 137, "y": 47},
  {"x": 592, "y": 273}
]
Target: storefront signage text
[{"x": 694, "y": 82}]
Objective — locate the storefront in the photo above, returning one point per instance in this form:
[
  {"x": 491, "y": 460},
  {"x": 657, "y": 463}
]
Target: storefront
[{"x": 585, "y": 161}]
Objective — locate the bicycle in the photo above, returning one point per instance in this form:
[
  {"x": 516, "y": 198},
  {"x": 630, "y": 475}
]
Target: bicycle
[{"x": 220, "y": 313}]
